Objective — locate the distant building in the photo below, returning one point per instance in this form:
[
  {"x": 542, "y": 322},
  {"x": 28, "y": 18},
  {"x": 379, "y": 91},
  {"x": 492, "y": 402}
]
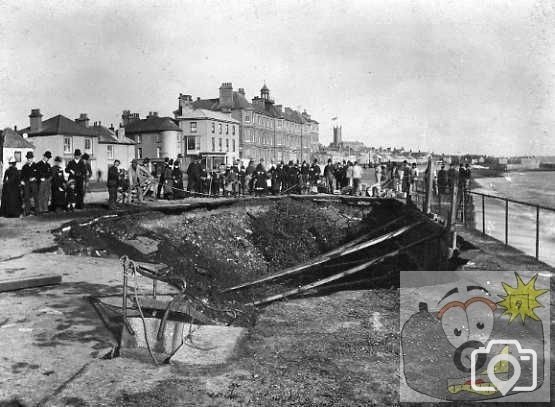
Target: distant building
[
  {"x": 266, "y": 130},
  {"x": 210, "y": 133},
  {"x": 112, "y": 145},
  {"x": 62, "y": 136},
  {"x": 12, "y": 145},
  {"x": 155, "y": 137}
]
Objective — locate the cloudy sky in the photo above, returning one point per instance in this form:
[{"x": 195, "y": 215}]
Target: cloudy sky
[{"x": 451, "y": 76}]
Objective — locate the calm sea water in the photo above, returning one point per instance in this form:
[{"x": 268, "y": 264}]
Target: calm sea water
[{"x": 533, "y": 187}]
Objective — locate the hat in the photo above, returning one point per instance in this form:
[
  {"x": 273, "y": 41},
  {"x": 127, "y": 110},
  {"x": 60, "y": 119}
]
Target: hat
[
  {"x": 85, "y": 156},
  {"x": 48, "y": 154},
  {"x": 77, "y": 152},
  {"x": 134, "y": 161},
  {"x": 12, "y": 160},
  {"x": 29, "y": 154},
  {"x": 58, "y": 159}
]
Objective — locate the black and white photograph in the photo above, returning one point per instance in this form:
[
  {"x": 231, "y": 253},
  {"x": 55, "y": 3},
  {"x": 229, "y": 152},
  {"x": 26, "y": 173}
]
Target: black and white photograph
[{"x": 276, "y": 202}]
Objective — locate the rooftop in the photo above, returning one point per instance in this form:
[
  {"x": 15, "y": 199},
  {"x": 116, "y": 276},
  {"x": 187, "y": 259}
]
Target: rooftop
[
  {"x": 201, "y": 114},
  {"x": 151, "y": 124},
  {"x": 107, "y": 136},
  {"x": 14, "y": 140},
  {"x": 59, "y": 125}
]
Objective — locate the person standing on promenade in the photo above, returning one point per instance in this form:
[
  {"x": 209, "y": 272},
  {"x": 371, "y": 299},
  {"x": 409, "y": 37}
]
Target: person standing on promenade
[
  {"x": 442, "y": 180},
  {"x": 44, "y": 175},
  {"x": 112, "y": 184},
  {"x": 30, "y": 184},
  {"x": 451, "y": 177},
  {"x": 77, "y": 171},
  {"x": 329, "y": 176},
  {"x": 58, "y": 186},
  {"x": 10, "y": 206},
  {"x": 357, "y": 176},
  {"x": 194, "y": 173}
]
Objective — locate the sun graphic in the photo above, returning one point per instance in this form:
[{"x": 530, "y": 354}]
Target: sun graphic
[{"x": 522, "y": 299}]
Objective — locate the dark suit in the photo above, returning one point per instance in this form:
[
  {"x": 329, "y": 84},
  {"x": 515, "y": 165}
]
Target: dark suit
[{"x": 77, "y": 171}]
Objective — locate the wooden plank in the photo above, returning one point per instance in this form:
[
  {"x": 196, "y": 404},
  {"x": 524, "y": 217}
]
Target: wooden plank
[
  {"x": 343, "y": 274},
  {"x": 177, "y": 307},
  {"x": 19, "y": 283},
  {"x": 335, "y": 253}
]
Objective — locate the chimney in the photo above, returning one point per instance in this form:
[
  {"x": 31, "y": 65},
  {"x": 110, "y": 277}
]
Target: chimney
[
  {"x": 35, "y": 119},
  {"x": 279, "y": 108},
  {"x": 185, "y": 102},
  {"x": 15, "y": 128},
  {"x": 152, "y": 114},
  {"x": 226, "y": 97},
  {"x": 242, "y": 91},
  {"x": 83, "y": 120},
  {"x": 125, "y": 117}
]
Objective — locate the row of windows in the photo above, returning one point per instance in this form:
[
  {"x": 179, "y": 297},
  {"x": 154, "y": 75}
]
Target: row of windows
[
  {"x": 220, "y": 144},
  {"x": 220, "y": 128},
  {"x": 68, "y": 145},
  {"x": 269, "y": 123}
]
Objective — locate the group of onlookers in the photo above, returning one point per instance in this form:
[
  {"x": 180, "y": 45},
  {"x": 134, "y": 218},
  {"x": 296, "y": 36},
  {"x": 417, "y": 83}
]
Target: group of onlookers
[{"x": 40, "y": 187}]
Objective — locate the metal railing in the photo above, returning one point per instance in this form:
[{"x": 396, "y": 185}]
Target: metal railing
[{"x": 470, "y": 217}]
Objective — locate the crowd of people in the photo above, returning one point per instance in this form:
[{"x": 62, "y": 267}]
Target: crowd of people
[{"x": 40, "y": 187}]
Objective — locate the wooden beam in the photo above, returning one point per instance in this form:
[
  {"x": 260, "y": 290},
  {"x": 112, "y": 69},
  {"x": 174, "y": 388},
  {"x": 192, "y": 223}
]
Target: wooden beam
[
  {"x": 314, "y": 261},
  {"x": 178, "y": 308},
  {"x": 19, "y": 283},
  {"x": 343, "y": 274}
]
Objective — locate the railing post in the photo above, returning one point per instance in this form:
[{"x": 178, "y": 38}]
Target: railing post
[
  {"x": 483, "y": 215},
  {"x": 506, "y": 222},
  {"x": 537, "y": 232}
]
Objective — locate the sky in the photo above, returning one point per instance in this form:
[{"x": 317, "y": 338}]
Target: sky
[{"x": 447, "y": 76}]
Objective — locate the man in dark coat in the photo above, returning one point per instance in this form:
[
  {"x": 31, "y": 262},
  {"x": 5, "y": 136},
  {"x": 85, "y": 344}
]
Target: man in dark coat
[
  {"x": 44, "y": 175},
  {"x": 194, "y": 172},
  {"x": 329, "y": 176},
  {"x": 58, "y": 185},
  {"x": 10, "y": 206},
  {"x": 113, "y": 184},
  {"x": 442, "y": 180},
  {"x": 161, "y": 174},
  {"x": 30, "y": 184},
  {"x": 77, "y": 171}
]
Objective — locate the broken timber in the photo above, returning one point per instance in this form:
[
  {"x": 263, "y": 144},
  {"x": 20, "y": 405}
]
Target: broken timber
[
  {"x": 348, "y": 248},
  {"x": 18, "y": 283},
  {"x": 345, "y": 273}
]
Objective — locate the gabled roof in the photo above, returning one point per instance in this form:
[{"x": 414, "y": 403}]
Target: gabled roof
[
  {"x": 239, "y": 102},
  {"x": 59, "y": 125},
  {"x": 152, "y": 124},
  {"x": 14, "y": 140},
  {"x": 107, "y": 136}
]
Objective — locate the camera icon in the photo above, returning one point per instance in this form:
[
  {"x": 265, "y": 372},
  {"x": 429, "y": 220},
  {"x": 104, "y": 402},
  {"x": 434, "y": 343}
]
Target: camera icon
[{"x": 495, "y": 383}]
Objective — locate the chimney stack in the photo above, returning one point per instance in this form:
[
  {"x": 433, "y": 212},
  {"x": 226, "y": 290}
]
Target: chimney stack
[
  {"x": 242, "y": 91},
  {"x": 35, "y": 119},
  {"x": 83, "y": 120},
  {"x": 185, "y": 102},
  {"x": 226, "y": 97},
  {"x": 152, "y": 114}
]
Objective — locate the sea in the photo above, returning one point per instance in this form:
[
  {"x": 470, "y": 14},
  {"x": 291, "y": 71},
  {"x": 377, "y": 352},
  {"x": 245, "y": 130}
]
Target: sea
[{"x": 536, "y": 188}]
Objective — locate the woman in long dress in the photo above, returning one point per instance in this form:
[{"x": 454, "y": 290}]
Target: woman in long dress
[{"x": 11, "y": 205}]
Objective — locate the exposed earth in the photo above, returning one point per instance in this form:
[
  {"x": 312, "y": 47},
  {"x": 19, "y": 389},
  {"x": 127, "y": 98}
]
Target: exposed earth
[{"x": 329, "y": 348}]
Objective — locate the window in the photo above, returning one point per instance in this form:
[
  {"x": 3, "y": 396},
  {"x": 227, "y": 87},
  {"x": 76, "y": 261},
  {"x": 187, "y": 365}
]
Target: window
[
  {"x": 247, "y": 117},
  {"x": 220, "y": 128},
  {"x": 213, "y": 144},
  {"x": 213, "y": 127},
  {"x": 110, "y": 151},
  {"x": 157, "y": 137},
  {"x": 227, "y": 129},
  {"x": 139, "y": 152},
  {"x": 158, "y": 152},
  {"x": 233, "y": 130},
  {"x": 88, "y": 145},
  {"x": 192, "y": 143},
  {"x": 67, "y": 145},
  {"x": 139, "y": 139},
  {"x": 17, "y": 156},
  {"x": 227, "y": 145},
  {"x": 233, "y": 143},
  {"x": 193, "y": 127},
  {"x": 220, "y": 144}
]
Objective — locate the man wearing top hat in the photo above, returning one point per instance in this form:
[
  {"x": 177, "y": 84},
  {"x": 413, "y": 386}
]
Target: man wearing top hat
[
  {"x": 77, "y": 171},
  {"x": 30, "y": 184},
  {"x": 44, "y": 177}
]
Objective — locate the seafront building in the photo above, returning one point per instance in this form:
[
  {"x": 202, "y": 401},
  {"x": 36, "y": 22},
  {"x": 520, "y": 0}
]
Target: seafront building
[
  {"x": 62, "y": 136},
  {"x": 266, "y": 130}
]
